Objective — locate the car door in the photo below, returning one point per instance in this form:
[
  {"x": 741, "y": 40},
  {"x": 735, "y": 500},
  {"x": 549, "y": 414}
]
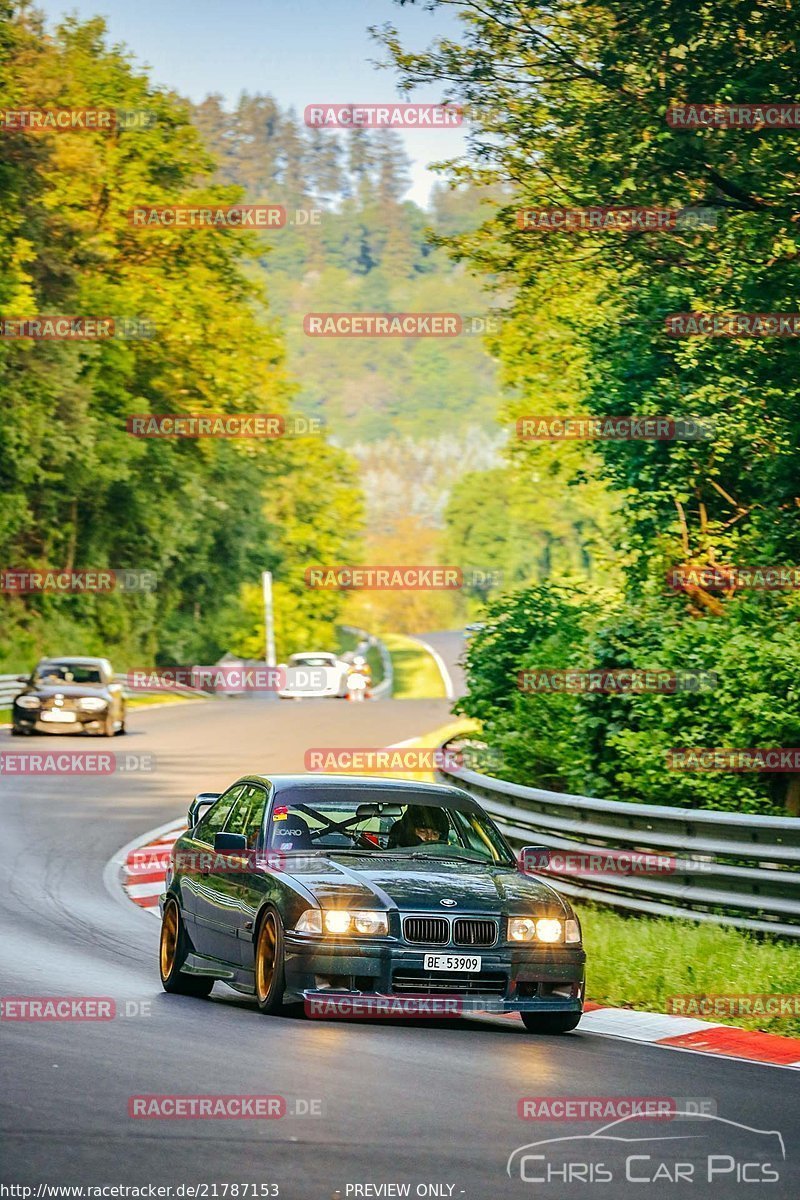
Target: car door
[
  {"x": 223, "y": 887},
  {"x": 198, "y": 902},
  {"x": 245, "y": 889}
]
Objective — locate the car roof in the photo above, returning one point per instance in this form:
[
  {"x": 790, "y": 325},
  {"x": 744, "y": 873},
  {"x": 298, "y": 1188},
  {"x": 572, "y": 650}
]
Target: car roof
[
  {"x": 73, "y": 658},
  {"x": 401, "y": 787}
]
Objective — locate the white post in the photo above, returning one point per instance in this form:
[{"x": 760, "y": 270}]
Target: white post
[{"x": 269, "y": 623}]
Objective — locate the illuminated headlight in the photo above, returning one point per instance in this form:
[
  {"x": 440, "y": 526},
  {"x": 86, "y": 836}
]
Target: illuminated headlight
[
  {"x": 549, "y": 930},
  {"x": 28, "y": 702},
  {"x": 521, "y": 929},
  {"x": 92, "y": 704},
  {"x": 339, "y": 921},
  {"x": 572, "y": 931}
]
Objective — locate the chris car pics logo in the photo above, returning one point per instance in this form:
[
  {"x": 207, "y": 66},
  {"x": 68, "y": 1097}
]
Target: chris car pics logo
[{"x": 695, "y": 1148}]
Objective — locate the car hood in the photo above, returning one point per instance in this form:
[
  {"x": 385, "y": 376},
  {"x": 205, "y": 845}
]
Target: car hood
[
  {"x": 419, "y": 886},
  {"x": 67, "y": 689}
]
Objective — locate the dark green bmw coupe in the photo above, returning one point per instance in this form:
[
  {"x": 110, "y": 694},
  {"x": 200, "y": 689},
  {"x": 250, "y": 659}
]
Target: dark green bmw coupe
[{"x": 299, "y": 886}]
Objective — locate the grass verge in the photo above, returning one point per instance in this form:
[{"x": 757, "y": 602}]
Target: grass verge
[
  {"x": 416, "y": 675},
  {"x": 156, "y": 698},
  {"x": 638, "y": 962}
]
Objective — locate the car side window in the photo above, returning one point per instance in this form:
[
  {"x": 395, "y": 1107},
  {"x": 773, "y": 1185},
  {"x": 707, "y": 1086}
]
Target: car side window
[
  {"x": 217, "y": 815},
  {"x": 247, "y": 816}
]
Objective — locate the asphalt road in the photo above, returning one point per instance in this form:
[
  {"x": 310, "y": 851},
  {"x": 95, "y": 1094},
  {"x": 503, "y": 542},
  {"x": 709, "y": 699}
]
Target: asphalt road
[{"x": 401, "y": 1103}]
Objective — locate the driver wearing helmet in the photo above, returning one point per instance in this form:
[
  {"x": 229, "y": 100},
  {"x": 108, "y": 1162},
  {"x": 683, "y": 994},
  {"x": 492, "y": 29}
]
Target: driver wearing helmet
[{"x": 419, "y": 824}]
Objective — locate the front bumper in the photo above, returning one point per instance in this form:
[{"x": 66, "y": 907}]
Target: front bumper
[
  {"x": 29, "y": 721},
  {"x": 511, "y": 979}
]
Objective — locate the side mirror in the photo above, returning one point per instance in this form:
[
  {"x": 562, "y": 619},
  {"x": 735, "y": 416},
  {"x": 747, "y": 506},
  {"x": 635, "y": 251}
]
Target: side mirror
[
  {"x": 534, "y": 858},
  {"x": 201, "y": 801},
  {"x": 230, "y": 841}
]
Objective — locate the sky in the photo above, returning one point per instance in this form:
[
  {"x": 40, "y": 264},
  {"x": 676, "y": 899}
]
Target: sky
[{"x": 299, "y": 51}]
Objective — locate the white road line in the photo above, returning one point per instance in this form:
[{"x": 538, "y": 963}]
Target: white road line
[{"x": 443, "y": 671}]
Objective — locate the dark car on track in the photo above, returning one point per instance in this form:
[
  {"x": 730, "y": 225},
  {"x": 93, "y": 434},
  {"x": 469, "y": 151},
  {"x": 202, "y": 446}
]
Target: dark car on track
[
  {"x": 72, "y": 695},
  {"x": 295, "y": 886}
]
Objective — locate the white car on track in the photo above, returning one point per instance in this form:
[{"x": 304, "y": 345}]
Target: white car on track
[{"x": 314, "y": 675}]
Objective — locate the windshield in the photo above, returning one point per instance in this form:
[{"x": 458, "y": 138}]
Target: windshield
[
  {"x": 311, "y": 660},
  {"x": 66, "y": 672},
  {"x": 366, "y": 823}
]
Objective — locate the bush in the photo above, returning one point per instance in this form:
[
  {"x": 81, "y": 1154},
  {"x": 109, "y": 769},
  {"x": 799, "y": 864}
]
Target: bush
[{"x": 617, "y": 745}]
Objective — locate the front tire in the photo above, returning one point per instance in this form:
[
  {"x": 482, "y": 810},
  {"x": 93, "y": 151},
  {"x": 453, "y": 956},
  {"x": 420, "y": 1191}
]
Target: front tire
[
  {"x": 270, "y": 978},
  {"x": 172, "y": 954},
  {"x": 550, "y": 1022}
]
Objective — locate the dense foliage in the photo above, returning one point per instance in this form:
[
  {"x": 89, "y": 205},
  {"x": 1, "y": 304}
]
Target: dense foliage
[
  {"x": 569, "y": 105},
  {"x": 78, "y": 491}
]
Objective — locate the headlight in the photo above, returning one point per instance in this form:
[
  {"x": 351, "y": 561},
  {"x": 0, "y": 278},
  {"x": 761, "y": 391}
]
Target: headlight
[
  {"x": 28, "y": 702},
  {"x": 92, "y": 704},
  {"x": 572, "y": 931},
  {"x": 310, "y": 922},
  {"x": 339, "y": 921},
  {"x": 526, "y": 929},
  {"x": 371, "y": 922},
  {"x": 549, "y": 930}
]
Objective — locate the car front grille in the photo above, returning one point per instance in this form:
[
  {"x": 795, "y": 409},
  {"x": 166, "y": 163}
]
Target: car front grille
[
  {"x": 470, "y": 932},
  {"x": 427, "y": 931},
  {"x": 426, "y": 983},
  {"x": 458, "y": 931},
  {"x": 70, "y": 704}
]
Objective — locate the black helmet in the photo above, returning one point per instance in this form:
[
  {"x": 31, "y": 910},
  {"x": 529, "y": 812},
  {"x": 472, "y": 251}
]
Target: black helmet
[{"x": 423, "y": 816}]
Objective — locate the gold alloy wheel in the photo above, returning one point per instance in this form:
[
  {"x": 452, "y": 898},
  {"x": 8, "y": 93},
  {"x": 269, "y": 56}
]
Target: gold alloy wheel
[
  {"x": 265, "y": 956},
  {"x": 169, "y": 940}
]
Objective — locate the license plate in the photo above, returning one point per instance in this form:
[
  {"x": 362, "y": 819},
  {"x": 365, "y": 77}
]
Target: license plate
[
  {"x": 64, "y": 718},
  {"x": 452, "y": 962}
]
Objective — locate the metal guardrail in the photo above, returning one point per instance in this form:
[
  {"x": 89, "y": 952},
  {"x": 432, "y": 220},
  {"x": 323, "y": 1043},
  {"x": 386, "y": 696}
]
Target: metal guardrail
[
  {"x": 726, "y": 868},
  {"x": 10, "y": 687},
  {"x": 382, "y": 690}
]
